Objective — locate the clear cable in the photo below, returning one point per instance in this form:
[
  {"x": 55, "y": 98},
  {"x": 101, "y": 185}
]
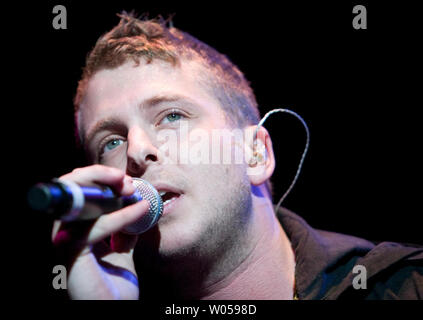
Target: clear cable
[{"x": 304, "y": 152}]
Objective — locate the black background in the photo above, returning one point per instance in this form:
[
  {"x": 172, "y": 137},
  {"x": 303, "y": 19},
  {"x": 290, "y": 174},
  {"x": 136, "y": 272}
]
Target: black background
[{"x": 358, "y": 90}]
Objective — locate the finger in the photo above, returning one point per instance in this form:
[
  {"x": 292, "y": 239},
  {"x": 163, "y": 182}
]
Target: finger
[
  {"x": 128, "y": 187},
  {"x": 72, "y": 234},
  {"x": 96, "y": 174},
  {"x": 116, "y": 221},
  {"x": 56, "y": 228},
  {"x": 85, "y": 233}
]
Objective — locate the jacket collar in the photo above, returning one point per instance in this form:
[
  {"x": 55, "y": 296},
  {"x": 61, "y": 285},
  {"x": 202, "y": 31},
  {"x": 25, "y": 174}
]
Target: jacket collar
[{"x": 323, "y": 259}]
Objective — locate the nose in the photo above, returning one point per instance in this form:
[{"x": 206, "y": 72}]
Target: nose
[{"x": 141, "y": 152}]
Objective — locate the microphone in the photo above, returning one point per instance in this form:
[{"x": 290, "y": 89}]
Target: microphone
[{"x": 67, "y": 201}]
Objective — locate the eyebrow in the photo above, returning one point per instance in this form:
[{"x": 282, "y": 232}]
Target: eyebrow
[{"x": 112, "y": 122}]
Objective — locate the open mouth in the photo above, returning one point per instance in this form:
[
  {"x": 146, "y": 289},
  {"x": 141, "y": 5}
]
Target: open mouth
[
  {"x": 171, "y": 196},
  {"x": 168, "y": 197}
]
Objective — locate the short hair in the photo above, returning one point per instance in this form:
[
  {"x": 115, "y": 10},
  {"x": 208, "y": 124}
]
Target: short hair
[{"x": 135, "y": 38}]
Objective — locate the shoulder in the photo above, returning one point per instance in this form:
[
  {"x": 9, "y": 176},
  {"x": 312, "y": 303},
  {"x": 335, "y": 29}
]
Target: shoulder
[
  {"x": 391, "y": 271},
  {"x": 334, "y": 266}
]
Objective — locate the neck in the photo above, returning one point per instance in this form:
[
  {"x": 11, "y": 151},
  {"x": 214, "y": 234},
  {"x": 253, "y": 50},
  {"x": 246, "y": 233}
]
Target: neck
[
  {"x": 267, "y": 273},
  {"x": 262, "y": 268}
]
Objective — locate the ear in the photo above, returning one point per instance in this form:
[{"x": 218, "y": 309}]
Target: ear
[{"x": 260, "y": 159}]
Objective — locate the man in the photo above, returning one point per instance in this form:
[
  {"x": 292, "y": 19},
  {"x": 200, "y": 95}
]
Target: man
[{"x": 219, "y": 237}]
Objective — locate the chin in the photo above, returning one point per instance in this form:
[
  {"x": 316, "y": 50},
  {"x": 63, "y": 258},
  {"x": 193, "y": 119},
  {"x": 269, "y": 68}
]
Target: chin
[
  {"x": 171, "y": 237},
  {"x": 178, "y": 239}
]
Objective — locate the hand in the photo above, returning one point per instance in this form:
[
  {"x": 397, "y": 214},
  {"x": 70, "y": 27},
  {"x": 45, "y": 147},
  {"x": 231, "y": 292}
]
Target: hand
[{"x": 97, "y": 269}]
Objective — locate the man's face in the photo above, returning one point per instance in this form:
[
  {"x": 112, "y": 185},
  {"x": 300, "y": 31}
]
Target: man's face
[{"x": 123, "y": 115}]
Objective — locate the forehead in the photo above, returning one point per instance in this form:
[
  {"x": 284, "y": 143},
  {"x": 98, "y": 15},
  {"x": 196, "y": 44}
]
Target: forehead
[{"x": 111, "y": 90}]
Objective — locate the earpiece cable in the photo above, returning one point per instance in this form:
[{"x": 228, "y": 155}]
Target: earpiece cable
[{"x": 304, "y": 152}]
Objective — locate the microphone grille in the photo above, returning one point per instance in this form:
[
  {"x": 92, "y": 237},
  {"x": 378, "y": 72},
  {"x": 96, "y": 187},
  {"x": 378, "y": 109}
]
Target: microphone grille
[{"x": 149, "y": 193}]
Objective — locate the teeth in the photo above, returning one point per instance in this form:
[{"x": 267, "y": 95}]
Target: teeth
[
  {"x": 162, "y": 193},
  {"x": 168, "y": 201}
]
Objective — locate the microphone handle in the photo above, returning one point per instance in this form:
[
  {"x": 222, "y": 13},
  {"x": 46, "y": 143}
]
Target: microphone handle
[{"x": 67, "y": 201}]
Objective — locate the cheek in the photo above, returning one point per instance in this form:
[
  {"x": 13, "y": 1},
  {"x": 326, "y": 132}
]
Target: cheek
[
  {"x": 116, "y": 159},
  {"x": 210, "y": 183}
]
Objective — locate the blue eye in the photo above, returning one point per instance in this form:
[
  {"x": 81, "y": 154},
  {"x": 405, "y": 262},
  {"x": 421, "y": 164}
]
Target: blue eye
[
  {"x": 172, "y": 117},
  {"x": 112, "y": 144}
]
